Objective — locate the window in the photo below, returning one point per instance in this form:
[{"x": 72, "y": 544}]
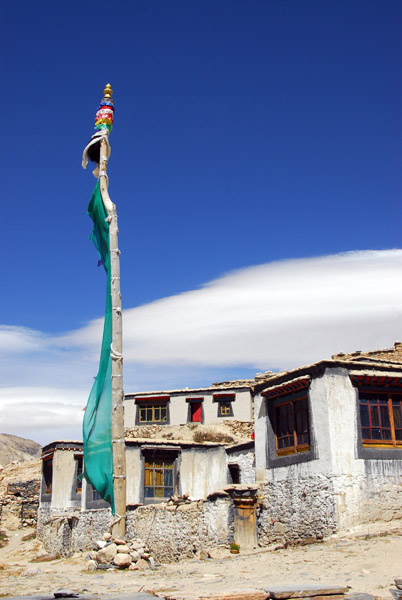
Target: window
[
  {"x": 78, "y": 473},
  {"x": 159, "y": 475},
  {"x": 48, "y": 474},
  {"x": 93, "y": 499},
  {"x": 234, "y": 473},
  {"x": 381, "y": 418},
  {"x": 95, "y": 495},
  {"x": 153, "y": 410},
  {"x": 195, "y": 410},
  {"x": 225, "y": 406},
  {"x": 291, "y": 426}
]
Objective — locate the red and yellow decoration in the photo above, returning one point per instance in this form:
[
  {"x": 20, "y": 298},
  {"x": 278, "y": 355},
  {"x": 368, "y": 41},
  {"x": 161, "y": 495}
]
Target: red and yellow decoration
[{"x": 104, "y": 115}]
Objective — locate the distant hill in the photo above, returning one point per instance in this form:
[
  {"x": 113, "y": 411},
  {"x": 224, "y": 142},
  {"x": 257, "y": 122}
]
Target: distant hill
[{"x": 13, "y": 447}]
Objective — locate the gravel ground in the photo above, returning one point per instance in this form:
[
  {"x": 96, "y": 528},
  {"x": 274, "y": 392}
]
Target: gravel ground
[{"x": 365, "y": 560}]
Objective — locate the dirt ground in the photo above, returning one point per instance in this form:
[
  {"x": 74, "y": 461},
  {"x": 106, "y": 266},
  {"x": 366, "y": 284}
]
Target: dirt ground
[{"x": 366, "y": 560}]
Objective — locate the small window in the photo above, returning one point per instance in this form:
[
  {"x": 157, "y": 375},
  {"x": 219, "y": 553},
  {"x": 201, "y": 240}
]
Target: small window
[
  {"x": 291, "y": 426},
  {"x": 225, "y": 404},
  {"x": 78, "y": 470},
  {"x": 95, "y": 495},
  {"x": 152, "y": 410},
  {"x": 48, "y": 474},
  {"x": 381, "y": 419},
  {"x": 159, "y": 476},
  {"x": 234, "y": 473}
]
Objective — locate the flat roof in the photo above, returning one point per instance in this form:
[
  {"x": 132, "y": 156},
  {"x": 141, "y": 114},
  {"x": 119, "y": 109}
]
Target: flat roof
[{"x": 316, "y": 369}]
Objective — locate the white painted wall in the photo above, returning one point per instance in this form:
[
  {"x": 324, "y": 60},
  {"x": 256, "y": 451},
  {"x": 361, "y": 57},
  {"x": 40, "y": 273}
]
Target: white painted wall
[
  {"x": 178, "y": 407},
  {"x": 63, "y": 478},
  {"x": 202, "y": 471},
  {"x": 129, "y": 412},
  {"x": 133, "y": 474},
  {"x": 261, "y": 437}
]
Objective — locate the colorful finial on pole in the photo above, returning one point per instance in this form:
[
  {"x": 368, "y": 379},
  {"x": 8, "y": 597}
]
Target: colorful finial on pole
[
  {"x": 104, "y": 116},
  {"x": 103, "y": 126}
]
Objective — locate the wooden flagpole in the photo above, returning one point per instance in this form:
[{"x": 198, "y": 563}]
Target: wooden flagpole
[{"x": 116, "y": 351}]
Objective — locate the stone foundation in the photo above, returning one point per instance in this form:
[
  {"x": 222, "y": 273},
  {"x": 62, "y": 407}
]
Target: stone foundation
[{"x": 295, "y": 510}]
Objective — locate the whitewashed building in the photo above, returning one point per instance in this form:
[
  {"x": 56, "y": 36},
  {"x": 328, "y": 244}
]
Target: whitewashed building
[
  {"x": 327, "y": 456},
  {"x": 228, "y": 400},
  {"x": 328, "y": 447}
]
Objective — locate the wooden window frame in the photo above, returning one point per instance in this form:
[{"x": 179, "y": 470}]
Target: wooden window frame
[
  {"x": 364, "y": 396},
  {"x": 296, "y": 448},
  {"x": 155, "y": 404},
  {"x": 152, "y": 458}
]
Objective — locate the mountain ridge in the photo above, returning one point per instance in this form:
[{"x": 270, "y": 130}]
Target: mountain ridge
[{"x": 16, "y": 448}]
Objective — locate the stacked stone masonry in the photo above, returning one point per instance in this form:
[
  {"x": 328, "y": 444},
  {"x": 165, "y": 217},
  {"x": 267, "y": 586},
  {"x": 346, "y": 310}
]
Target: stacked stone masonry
[
  {"x": 172, "y": 532},
  {"x": 296, "y": 510},
  {"x": 22, "y": 501}
]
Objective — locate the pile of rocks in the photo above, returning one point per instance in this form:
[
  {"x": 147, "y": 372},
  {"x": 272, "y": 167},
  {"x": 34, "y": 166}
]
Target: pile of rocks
[
  {"x": 144, "y": 431},
  {"x": 119, "y": 553},
  {"x": 241, "y": 429}
]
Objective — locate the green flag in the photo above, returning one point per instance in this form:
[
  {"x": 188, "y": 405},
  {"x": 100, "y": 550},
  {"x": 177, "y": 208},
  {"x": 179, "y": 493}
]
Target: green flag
[{"x": 97, "y": 426}]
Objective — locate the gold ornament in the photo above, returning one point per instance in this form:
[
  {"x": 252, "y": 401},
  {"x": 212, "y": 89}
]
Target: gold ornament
[{"x": 107, "y": 92}]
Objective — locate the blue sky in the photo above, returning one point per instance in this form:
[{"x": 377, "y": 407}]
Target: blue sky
[{"x": 246, "y": 133}]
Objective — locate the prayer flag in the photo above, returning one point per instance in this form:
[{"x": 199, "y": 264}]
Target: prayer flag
[{"x": 97, "y": 426}]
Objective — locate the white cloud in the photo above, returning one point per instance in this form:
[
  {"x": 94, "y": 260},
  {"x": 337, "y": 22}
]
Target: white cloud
[
  {"x": 42, "y": 414},
  {"x": 272, "y": 316},
  {"x": 19, "y": 339},
  {"x": 276, "y": 315}
]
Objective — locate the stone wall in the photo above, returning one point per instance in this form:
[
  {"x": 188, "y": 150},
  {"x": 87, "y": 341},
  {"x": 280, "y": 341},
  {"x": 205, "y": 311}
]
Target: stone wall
[
  {"x": 380, "y": 491},
  {"x": 292, "y": 510},
  {"x": 390, "y": 354},
  {"x": 176, "y": 532},
  {"x": 66, "y": 531},
  {"x": 21, "y": 502},
  {"x": 171, "y": 532}
]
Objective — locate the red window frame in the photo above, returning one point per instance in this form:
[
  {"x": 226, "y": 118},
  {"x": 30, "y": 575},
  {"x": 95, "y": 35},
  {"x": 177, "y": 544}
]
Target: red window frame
[{"x": 380, "y": 418}]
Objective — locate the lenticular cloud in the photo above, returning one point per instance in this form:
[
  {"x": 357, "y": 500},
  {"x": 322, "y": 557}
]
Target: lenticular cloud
[{"x": 275, "y": 315}]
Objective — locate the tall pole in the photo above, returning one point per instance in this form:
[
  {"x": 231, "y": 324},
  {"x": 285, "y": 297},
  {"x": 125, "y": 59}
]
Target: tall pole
[
  {"x": 101, "y": 153},
  {"x": 116, "y": 353}
]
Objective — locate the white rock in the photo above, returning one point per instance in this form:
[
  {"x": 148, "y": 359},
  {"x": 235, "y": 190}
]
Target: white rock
[
  {"x": 100, "y": 544},
  {"x": 106, "y": 555}
]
